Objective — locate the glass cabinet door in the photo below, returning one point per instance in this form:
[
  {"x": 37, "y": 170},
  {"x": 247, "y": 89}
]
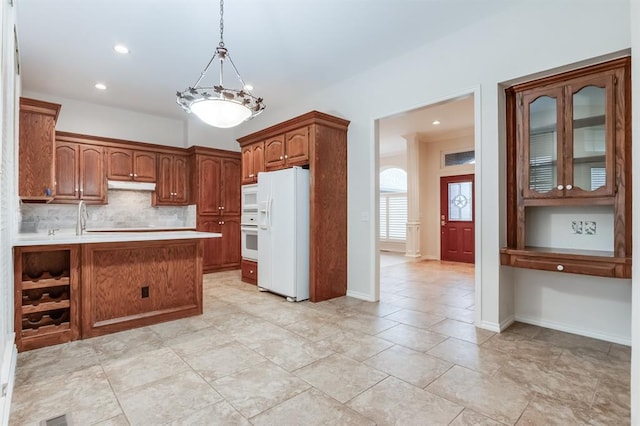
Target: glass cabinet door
[
  {"x": 541, "y": 144},
  {"x": 590, "y": 137}
]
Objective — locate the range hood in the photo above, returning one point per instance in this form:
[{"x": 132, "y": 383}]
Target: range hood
[{"x": 131, "y": 186}]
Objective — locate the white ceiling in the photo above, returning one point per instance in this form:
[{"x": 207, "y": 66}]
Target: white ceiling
[{"x": 285, "y": 48}]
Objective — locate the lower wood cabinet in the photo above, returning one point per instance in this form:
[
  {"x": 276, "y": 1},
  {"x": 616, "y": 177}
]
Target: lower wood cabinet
[
  {"x": 46, "y": 295},
  {"x": 134, "y": 284},
  {"x": 249, "y": 271},
  {"x": 221, "y": 253}
]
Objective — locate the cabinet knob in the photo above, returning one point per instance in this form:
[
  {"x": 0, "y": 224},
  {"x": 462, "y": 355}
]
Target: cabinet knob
[
  {"x": 281, "y": 157},
  {"x": 560, "y": 187},
  {"x": 222, "y": 223},
  {"x": 251, "y": 272},
  {"x": 560, "y": 268},
  {"x": 131, "y": 174},
  {"x": 135, "y": 175},
  {"x": 76, "y": 189},
  {"x": 286, "y": 156},
  {"x": 569, "y": 186},
  {"x": 81, "y": 190},
  {"x": 222, "y": 208}
]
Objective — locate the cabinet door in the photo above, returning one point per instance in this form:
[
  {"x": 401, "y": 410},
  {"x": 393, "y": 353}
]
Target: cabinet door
[
  {"x": 92, "y": 177},
  {"x": 247, "y": 165},
  {"x": 212, "y": 254},
  {"x": 231, "y": 187},
  {"x": 67, "y": 171},
  {"x": 258, "y": 160},
  {"x": 36, "y": 152},
  {"x": 590, "y": 136},
  {"x": 144, "y": 166},
  {"x": 541, "y": 126},
  {"x": 209, "y": 183},
  {"x": 231, "y": 248},
  {"x": 297, "y": 147},
  {"x": 274, "y": 153},
  {"x": 180, "y": 179},
  {"x": 119, "y": 164},
  {"x": 163, "y": 185}
]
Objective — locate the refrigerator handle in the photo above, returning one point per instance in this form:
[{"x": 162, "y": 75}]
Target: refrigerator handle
[
  {"x": 269, "y": 204},
  {"x": 263, "y": 212}
]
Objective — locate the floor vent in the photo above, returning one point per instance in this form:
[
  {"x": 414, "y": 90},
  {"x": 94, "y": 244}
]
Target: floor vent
[{"x": 57, "y": 421}]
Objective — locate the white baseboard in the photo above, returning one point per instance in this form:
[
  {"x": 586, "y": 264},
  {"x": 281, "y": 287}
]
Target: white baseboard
[
  {"x": 7, "y": 375},
  {"x": 361, "y": 296},
  {"x": 574, "y": 330},
  {"x": 487, "y": 325},
  {"x": 428, "y": 257},
  {"x": 505, "y": 323}
]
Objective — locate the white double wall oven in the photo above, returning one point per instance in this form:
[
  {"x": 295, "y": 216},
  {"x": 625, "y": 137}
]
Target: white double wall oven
[{"x": 249, "y": 222}]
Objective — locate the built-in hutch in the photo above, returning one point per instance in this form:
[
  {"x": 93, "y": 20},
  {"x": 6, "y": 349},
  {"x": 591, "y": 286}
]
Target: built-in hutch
[
  {"x": 569, "y": 172},
  {"x": 316, "y": 141}
]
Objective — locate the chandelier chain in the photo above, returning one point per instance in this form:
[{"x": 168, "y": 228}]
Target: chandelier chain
[{"x": 221, "y": 44}]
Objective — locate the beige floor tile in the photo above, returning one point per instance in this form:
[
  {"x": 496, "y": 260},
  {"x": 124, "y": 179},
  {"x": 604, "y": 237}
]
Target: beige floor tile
[
  {"x": 259, "y": 388},
  {"x": 462, "y": 331},
  {"x": 593, "y": 364},
  {"x": 314, "y": 330},
  {"x": 281, "y": 313},
  {"x": 409, "y": 365},
  {"x": 379, "y": 309},
  {"x": 340, "y": 377},
  {"x": 521, "y": 347},
  {"x": 310, "y": 408},
  {"x": 471, "y": 418},
  {"x": 497, "y": 398},
  {"x": 527, "y": 330},
  {"x": 126, "y": 343},
  {"x": 571, "y": 341},
  {"x": 214, "y": 307},
  {"x": 547, "y": 411},
  {"x": 415, "y": 318},
  {"x": 394, "y": 402},
  {"x": 455, "y": 313},
  {"x": 85, "y": 395},
  {"x": 218, "y": 414},
  {"x": 199, "y": 341},
  {"x": 620, "y": 352},
  {"x": 120, "y": 420},
  {"x": 167, "y": 399},
  {"x": 546, "y": 380},
  {"x": 223, "y": 360},
  {"x": 364, "y": 323},
  {"x": 612, "y": 402},
  {"x": 470, "y": 355},
  {"x": 171, "y": 329},
  {"x": 412, "y": 337},
  {"x": 43, "y": 365},
  {"x": 143, "y": 368},
  {"x": 357, "y": 346}
]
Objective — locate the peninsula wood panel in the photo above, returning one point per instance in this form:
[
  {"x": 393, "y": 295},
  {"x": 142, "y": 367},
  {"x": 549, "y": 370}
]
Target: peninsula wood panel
[
  {"x": 115, "y": 276},
  {"x": 36, "y": 158}
]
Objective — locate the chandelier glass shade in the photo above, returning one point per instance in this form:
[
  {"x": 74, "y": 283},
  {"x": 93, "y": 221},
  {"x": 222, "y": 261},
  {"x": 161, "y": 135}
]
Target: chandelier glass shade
[{"x": 217, "y": 105}]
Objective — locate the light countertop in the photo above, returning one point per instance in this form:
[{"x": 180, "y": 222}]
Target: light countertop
[{"x": 90, "y": 237}]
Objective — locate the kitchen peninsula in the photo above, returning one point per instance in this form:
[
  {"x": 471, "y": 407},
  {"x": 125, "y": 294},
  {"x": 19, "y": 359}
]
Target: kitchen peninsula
[{"x": 69, "y": 287}]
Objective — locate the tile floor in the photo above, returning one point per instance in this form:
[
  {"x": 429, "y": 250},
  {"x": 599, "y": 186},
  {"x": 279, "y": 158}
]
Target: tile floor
[{"x": 252, "y": 358}]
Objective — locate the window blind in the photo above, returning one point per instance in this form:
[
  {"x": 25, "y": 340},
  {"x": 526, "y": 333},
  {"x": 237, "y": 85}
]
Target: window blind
[
  {"x": 542, "y": 151},
  {"x": 393, "y": 216}
]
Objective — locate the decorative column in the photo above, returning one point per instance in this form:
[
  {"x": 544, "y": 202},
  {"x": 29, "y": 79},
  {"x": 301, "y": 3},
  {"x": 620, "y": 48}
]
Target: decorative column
[{"x": 412, "y": 248}]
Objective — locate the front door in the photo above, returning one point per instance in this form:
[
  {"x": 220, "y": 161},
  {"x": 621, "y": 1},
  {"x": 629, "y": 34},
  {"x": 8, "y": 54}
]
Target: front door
[{"x": 457, "y": 238}]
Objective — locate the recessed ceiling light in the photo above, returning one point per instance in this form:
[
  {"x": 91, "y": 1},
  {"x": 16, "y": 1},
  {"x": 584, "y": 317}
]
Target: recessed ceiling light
[
  {"x": 248, "y": 87},
  {"x": 435, "y": 122},
  {"x": 121, "y": 48},
  {"x": 100, "y": 86}
]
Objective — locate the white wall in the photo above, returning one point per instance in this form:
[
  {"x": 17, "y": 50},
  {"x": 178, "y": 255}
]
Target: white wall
[
  {"x": 99, "y": 120},
  {"x": 9, "y": 87},
  {"x": 495, "y": 50},
  {"x": 431, "y": 170}
]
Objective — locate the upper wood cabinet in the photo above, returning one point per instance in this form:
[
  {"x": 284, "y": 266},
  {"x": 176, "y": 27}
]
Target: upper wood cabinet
[
  {"x": 36, "y": 162},
  {"x": 80, "y": 173},
  {"x": 172, "y": 187},
  {"x": 569, "y": 172},
  {"x": 287, "y": 149},
  {"x": 252, "y": 162},
  {"x": 218, "y": 185},
  {"x": 128, "y": 164}
]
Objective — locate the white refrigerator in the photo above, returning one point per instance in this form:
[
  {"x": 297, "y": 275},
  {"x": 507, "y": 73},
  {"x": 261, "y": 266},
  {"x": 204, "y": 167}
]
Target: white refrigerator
[{"x": 283, "y": 233}]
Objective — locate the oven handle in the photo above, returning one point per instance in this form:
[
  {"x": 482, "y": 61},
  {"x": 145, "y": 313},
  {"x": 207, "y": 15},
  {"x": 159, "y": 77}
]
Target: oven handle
[{"x": 249, "y": 229}]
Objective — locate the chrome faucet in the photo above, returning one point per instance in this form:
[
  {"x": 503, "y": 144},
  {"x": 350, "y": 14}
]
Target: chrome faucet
[{"x": 81, "y": 221}]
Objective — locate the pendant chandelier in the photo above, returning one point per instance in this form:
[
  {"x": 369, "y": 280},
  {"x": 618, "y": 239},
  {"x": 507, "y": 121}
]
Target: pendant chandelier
[{"x": 220, "y": 106}]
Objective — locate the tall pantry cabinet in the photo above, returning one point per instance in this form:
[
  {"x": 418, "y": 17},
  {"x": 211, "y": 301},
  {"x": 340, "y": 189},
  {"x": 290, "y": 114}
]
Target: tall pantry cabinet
[
  {"x": 316, "y": 141},
  {"x": 216, "y": 176}
]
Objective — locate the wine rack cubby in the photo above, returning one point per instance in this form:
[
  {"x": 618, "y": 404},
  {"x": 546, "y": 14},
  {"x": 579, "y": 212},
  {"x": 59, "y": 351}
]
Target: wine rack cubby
[{"x": 46, "y": 299}]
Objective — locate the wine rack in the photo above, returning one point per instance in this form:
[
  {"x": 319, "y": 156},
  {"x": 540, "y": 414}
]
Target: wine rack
[{"x": 46, "y": 285}]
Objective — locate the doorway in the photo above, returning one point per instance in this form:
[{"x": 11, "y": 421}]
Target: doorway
[{"x": 457, "y": 224}]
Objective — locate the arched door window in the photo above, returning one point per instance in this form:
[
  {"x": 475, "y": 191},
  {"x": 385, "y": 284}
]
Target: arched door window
[{"x": 393, "y": 205}]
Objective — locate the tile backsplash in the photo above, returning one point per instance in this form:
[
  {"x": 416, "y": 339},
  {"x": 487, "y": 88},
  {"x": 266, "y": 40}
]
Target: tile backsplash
[{"x": 126, "y": 209}]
